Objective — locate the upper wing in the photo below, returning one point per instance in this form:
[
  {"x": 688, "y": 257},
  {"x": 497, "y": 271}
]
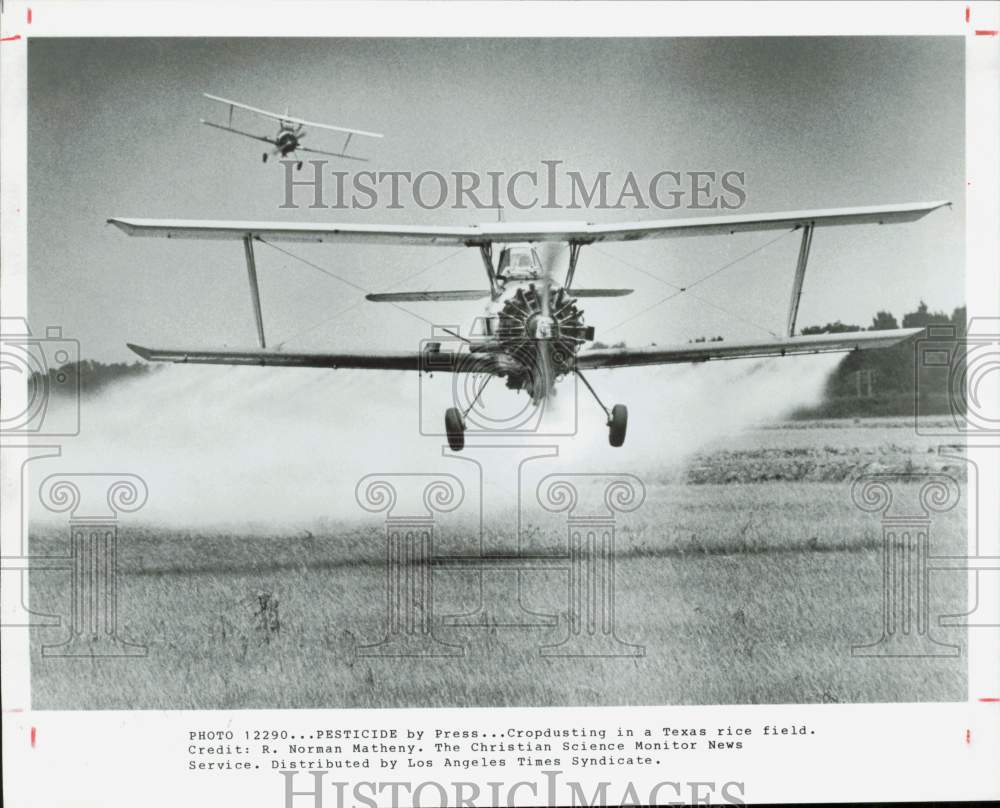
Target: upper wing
[
  {"x": 505, "y": 232},
  {"x": 431, "y": 359},
  {"x": 279, "y": 117},
  {"x": 704, "y": 351},
  {"x": 240, "y": 132}
]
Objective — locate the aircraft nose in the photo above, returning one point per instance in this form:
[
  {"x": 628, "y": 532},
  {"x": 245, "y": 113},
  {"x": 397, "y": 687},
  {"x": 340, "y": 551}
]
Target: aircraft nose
[{"x": 541, "y": 327}]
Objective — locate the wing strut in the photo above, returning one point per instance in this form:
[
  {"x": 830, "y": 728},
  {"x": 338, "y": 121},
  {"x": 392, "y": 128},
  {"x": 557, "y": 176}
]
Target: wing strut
[
  {"x": 800, "y": 274},
  {"x": 486, "y": 250},
  {"x": 254, "y": 290},
  {"x": 574, "y": 254}
]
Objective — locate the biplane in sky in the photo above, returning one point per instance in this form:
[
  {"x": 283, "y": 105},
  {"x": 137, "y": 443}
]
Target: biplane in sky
[
  {"x": 288, "y": 141},
  {"x": 533, "y": 333}
]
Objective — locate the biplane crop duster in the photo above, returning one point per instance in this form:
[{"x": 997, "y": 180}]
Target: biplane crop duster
[
  {"x": 288, "y": 140},
  {"x": 534, "y": 331}
]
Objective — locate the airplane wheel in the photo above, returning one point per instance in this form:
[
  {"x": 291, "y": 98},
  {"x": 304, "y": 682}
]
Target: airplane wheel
[
  {"x": 265, "y": 158},
  {"x": 617, "y": 425},
  {"x": 454, "y": 426},
  {"x": 298, "y": 166}
]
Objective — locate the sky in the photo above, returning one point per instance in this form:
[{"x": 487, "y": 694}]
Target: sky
[{"x": 813, "y": 123}]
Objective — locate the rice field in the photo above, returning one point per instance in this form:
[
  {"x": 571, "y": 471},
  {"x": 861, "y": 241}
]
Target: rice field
[{"x": 746, "y": 576}]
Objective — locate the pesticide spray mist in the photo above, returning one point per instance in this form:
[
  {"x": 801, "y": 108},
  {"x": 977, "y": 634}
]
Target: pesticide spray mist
[{"x": 276, "y": 448}]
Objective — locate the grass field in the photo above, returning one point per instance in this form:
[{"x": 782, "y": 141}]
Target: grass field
[{"x": 747, "y": 576}]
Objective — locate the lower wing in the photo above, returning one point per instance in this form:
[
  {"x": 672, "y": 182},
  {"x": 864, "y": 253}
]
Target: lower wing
[
  {"x": 474, "y": 294},
  {"x": 431, "y": 360},
  {"x": 705, "y": 351}
]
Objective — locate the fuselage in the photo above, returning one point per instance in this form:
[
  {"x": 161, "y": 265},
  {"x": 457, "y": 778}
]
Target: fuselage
[{"x": 287, "y": 140}]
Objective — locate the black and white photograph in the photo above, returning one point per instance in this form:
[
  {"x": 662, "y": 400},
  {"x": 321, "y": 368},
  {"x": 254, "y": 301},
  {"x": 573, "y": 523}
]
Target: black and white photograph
[{"x": 394, "y": 379}]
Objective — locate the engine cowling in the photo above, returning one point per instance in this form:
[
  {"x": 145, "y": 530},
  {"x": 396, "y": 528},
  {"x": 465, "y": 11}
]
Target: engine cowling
[{"x": 520, "y": 324}]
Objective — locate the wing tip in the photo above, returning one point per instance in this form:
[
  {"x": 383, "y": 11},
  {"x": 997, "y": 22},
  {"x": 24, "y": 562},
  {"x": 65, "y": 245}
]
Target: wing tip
[
  {"x": 122, "y": 224},
  {"x": 145, "y": 353},
  {"x": 911, "y": 334},
  {"x": 903, "y": 334},
  {"x": 886, "y": 338}
]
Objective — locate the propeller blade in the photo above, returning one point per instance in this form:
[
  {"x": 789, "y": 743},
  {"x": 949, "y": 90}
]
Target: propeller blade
[
  {"x": 545, "y": 366},
  {"x": 548, "y": 255}
]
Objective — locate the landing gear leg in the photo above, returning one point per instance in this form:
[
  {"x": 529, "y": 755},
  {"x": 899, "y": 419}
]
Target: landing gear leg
[
  {"x": 454, "y": 420},
  {"x": 265, "y": 158},
  {"x": 298, "y": 166},
  {"x": 617, "y": 416}
]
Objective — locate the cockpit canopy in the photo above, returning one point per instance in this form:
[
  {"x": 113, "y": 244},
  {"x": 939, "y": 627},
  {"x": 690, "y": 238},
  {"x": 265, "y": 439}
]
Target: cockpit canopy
[{"x": 519, "y": 263}]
